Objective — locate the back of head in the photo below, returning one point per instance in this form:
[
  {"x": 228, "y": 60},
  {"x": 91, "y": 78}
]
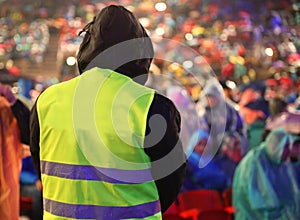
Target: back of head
[
  {"x": 213, "y": 89},
  {"x": 112, "y": 26},
  {"x": 276, "y": 106},
  {"x": 276, "y": 141}
]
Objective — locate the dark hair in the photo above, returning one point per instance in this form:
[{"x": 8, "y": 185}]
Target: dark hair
[{"x": 276, "y": 106}]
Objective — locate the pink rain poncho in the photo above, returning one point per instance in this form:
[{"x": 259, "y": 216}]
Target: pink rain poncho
[{"x": 10, "y": 163}]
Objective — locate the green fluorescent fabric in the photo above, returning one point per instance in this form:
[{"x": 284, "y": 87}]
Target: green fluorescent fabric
[{"x": 91, "y": 149}]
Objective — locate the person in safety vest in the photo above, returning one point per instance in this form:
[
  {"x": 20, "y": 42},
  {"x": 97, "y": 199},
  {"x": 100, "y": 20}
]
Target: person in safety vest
[{"x": 106, "y": 146}]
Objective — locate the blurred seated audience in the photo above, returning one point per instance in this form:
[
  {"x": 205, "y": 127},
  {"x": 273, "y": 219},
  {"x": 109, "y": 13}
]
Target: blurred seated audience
[
  {"x": 272, "y": 85},
  {"x": 254, "y": 119},
  {"x": 219, "y": 115},
  {"x": 265, "y": 184},
  {"x": 286, "y": 89},
  {"x": 31, "y": 187},
  {"x": 199, "y": 176},
  {"x": 230, "y": 155}
]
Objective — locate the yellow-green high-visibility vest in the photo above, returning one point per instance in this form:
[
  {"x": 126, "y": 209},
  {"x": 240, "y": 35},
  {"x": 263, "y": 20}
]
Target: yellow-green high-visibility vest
[{"x": 93, "y": 164}]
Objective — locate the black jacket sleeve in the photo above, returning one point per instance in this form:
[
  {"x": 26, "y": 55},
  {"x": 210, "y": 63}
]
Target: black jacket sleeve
[
  {"x": 35, "y": 139},
  {"x": 22, "y": 114},
  {"x": 169, "y": 185}
]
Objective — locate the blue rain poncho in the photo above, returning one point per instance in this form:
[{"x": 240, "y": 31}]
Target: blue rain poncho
[
  {"x": 264, "y": 187},
  {"x": 209, "y": 176}
]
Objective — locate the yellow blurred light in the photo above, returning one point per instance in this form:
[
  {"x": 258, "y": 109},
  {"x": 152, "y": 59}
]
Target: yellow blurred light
[
  {"x": 195, "y": 93},
  {"x": 240, "y": 60},
  {"x": 252, "y": 74},
  {"x": 198, "y": 30},
  {"x": 173, "y": 67},
  {"x": 9, "y": 63},
  {"x": 233, "y": 59},
  {"x": 245, "y": 79},
  {"x": 272, "y": 70},
  {"x": 176, "y": 69},
  {"x": 184, "y": 80}
]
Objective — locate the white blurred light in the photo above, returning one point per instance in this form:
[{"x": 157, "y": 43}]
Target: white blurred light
[
  {"x": 187, "y": 64},
  {"x": 160, "y": 31},
  {"x": 269, "y": 52},
  {"x": 29, "y": 39},
  {"x": 199, "y": 60},
  {"x": 189, "y": 36},
  {"x": 71, "y": 61},
  {"x": 160, "y": 6},
  {"x": 223, "y": 37},
  {"x": 18, "y": 47},
  {"x": 145, "y": 22},
  {"x": 230, "y": 84},
  {"x": 15, "y": 90}
]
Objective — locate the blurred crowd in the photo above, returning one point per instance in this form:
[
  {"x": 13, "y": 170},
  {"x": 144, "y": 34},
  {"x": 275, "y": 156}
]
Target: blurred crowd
[
  {"x": 242, "y": 41},
  {"x": 252, "y": 48}
]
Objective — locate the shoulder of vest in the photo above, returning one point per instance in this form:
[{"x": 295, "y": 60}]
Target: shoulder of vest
[{"x": 57, "y": 87}]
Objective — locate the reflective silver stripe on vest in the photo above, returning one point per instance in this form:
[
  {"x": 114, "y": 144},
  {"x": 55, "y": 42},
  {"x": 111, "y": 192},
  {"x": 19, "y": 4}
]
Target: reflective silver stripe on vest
[
  {"x": 101, "y": 212},
  {"x": 87, "y": 172}
]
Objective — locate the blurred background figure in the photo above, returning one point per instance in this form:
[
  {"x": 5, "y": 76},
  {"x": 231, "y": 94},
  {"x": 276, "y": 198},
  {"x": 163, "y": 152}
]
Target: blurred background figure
[
  {"x": 20, "y": 111},
  {"x": 286, "y": 89},
  {"x": 220, "y": 115},
  {"x": 31, "y": 187},
  {"x": 228, "y": 89},
  {"x": 10, "y": 162},
  {"x": 15, "y": 116},
  {"x": 265, "y": 184},
  {"x": 272, "y": 85},
  {"x": 276, "y": 106},
  {"x": 230, "y": 155},
  {"x": 248, "y": 114},
  {"x": 253, "y": 110},
  {"x": 197, "y": 176},
  {"x": 190, "y": 120}
]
